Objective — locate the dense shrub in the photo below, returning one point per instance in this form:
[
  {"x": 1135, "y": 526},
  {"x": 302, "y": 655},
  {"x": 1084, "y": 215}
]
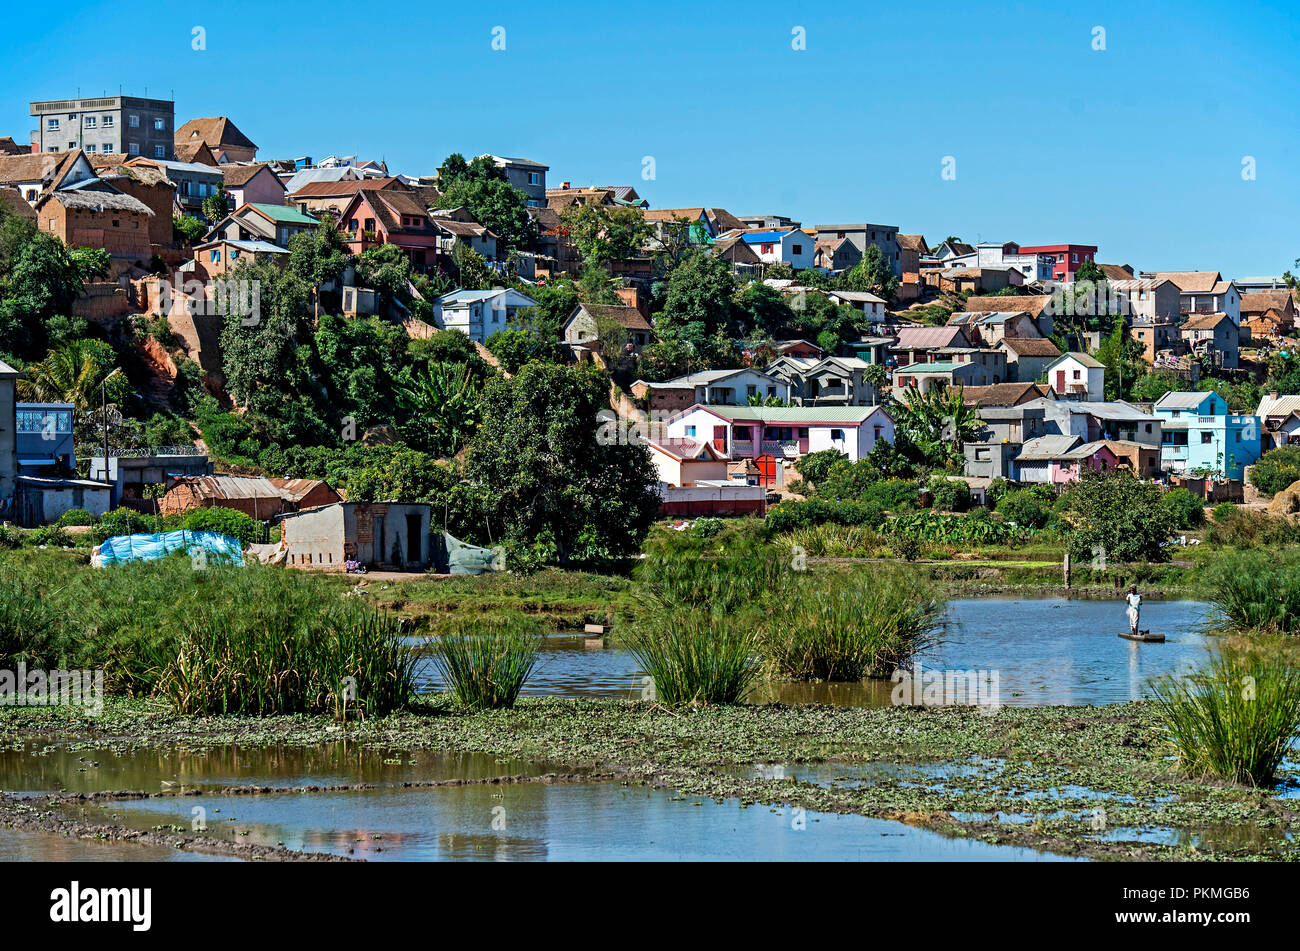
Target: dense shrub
[
  {"x": 950, "y": 495},
  {"x": 1185, "y": 509},
  {"x": 1028, "y": 508},
  {"x": 787, "y": 516},
  {"x": 1223, "y": 511},
  {"x": 706, "y": 527},
  {"x": 76, "y": 517},
  {"x": 1258, "y": 591},
  {"x": 229, "y": 522},
  {"x": 485, "y": 662},
  {"x": 1247, "y": 528},
  {"x": 815, "y": 466},
  {"x": 1276, "y": 469},
  {"x": 122, "y": 521}
]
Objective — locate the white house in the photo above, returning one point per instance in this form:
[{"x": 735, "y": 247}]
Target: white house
[
  {"x": 990, "y": 254},
  {"x": 790, "y": 432},
  {"x": 684, "y": 462},
  {"x": 480, "y": 314},
  {"x": 872, "y": 306},
  {"x": 726, "y": 387},
  {"x": 1077, "y": 376},
  {"x": 793, "y": 247}
]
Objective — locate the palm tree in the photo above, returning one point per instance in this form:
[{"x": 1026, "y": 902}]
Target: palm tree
[
  {"x": 939, "y": 422},
  {"x": 71, "y": 374}
]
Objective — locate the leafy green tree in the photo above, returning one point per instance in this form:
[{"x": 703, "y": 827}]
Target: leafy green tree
[
  {"x": 481, "y": 188},
  {"x": 1122, "y": 357},
  {"x": 1276, "y": 470},
  {"x": 320, "y": 256},
  {"x": 543, "y": 449},
  {"x": 516, "y": 346},
  {"x": 471, "y": 268},
  {"x": 215, "y": 207},
  {"x": 187, "y": 229},
  {"x": 938, "y": 424},
  {"x": 762, "y": 310},
  {"x": 74, "y": 374},
  {"x": 699, "y": 302},
  {"x": 387, "y": 270},
  {"x": 873, "y": 273},
  {"x": 39, "y": 279},
  {"x": 604, "y": 235},
  {"x": 1117, "y": 517}
]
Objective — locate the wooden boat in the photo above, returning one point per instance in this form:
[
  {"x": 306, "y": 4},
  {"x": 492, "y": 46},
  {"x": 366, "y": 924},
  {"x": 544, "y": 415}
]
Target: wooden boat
[{"x": 1145, "y": 637}]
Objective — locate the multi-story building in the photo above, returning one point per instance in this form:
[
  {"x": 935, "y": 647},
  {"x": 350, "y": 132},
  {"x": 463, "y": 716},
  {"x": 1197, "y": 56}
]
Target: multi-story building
[
  {"x": 113, "y": 124},
  {"x": 527, "y": 176},
  {"x": 1199, "y": 435},
  {"x": 1066, "y": 258},
  {"x": 863, "y": 236}
]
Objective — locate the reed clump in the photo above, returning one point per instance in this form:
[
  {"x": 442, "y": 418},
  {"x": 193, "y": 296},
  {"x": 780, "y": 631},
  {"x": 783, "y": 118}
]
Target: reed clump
[
  {"x": 1234, "y": 719},
  {"x": 487, "y": 661},
  {"x": 847, "y": 630}
]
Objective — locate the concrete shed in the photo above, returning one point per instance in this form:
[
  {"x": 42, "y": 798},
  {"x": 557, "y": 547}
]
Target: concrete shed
[{"x": 390, "y": 535}]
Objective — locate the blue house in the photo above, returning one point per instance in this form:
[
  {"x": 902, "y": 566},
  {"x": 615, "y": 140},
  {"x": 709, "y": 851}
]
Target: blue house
[
  {"x": 1199, "y": 435},
  {"x": 45, "y": 441}
]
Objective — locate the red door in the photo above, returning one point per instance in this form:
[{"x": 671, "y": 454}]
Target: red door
[
  {"x": 720, "y": 438},
  {"x": 1060, "y": 381},
  {"x": 766, "y": 469}
]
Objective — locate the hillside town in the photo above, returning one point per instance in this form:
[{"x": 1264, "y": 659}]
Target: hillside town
[{"x": 734, "y": 345}]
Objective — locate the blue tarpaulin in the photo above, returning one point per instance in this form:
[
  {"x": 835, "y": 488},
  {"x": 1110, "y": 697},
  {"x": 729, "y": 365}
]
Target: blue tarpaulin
[{"x": 209, "y": 546}]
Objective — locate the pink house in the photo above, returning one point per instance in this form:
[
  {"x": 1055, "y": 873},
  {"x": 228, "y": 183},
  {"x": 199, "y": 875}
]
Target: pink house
[
  {"x": 1061, "y": 459},
  {"x": 374, "y": 217},
  {"x": 252, "y": 184}
]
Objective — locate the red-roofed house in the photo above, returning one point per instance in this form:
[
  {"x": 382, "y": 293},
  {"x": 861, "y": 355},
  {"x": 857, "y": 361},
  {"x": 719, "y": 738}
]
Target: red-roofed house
[{"x": 1068, "y": 257}]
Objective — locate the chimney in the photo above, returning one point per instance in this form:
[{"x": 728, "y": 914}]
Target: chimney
[
  {"x": 566, "y": 184},
  {"x": 1272, "y": 394}
]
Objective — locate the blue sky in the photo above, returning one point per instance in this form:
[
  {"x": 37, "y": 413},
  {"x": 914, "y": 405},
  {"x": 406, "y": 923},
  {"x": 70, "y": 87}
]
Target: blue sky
[{"x": 1137, "y": 149}]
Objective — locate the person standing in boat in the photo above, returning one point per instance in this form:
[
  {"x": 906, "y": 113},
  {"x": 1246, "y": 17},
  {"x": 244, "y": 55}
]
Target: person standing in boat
[{"x": 1134, "y": 601}]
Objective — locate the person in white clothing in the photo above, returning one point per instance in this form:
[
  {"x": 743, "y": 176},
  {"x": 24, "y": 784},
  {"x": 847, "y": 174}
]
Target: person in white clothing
[{"x": 1134, "y": 601}]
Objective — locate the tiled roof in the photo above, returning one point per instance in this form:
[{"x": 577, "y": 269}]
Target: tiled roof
[
  {"x": 1116, "y": 272},
  {"x": 215, "y": 131},
  {"x": 910, "y": 338},
  {"x": 628, "y": 317},
  {"x": 1003, "y": 394},
  {"x": 239, "y": 175},
  {"x": 1204, "y": 321},
  {"x": 913, "y": 242},
  {"x": 1031, "y": 346},
  {"x": 1262, "y": 301},
  {"x": 9, "y": 147},
  {"x": 1031, "y": 304},
  {"x": 344, "y": 188},
  {"x": 1191, "y": 282},
  {"x": 13, "y": 203}
]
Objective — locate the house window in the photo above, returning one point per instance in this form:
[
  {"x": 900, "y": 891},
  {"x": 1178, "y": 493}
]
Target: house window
[
  {"x": 90, "y": 149},
  {"x": 159, "y": 151},
  {"x": 741, "y": 433},
  {"x": 837, "y": 435},
  {"x": 108, "y": 122},
  {"x": 108, "y": 147},
  {"x": 160, "y": 125},
  {"x": 765, "y": 249},
  {"x": 133, "y": 148},
  {"x": 796, "y": 249},
  {"x": 91, "y": 122},
  {"x": 1148, "y": 427},
  {"x": 690, "y": 431},
  {"x": 803, "y": 432},
  {"x": 52, "y": 124},
  {"x": 133, "y": 121},
  {"x": 534, "y": 178},
  {"x": 1075, "y": 256},
  {"x": 117, "y": 223},
  {"x": 1207, "y": 438},
  {"x": 751, "y": 390},
  {"x": 215, "y": 256}
]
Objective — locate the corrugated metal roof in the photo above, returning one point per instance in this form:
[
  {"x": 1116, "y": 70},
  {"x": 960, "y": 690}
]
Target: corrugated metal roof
[
  {"x": 796, "y": 414},
  {"x": 1047, "y": 447},
  {"x": 1282, "y": 406}
]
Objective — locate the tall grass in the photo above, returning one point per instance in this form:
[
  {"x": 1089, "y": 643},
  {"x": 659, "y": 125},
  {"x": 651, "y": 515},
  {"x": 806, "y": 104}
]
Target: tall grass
[
  {"x": 341, "y": 660},
  {"x": 32, "y": 629},
  {"x": 829, "y": 540},
  {"x": 847, "y": 630},
  {"x": 487, "y": 661},
  {"x": 1234, "y": 719},
  {"x": 697, "y": 656},
  {"x": 1258, "y": 591}
]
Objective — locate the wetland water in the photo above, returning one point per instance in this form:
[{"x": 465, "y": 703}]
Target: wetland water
[{"x": 1047, "y": 652}]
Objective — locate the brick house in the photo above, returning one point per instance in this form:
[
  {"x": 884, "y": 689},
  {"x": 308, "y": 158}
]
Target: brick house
[
  {"x": 1268, "y": 313},
  {"x": 256, "y": 496},
  {"x": 99, "y": 217}
]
